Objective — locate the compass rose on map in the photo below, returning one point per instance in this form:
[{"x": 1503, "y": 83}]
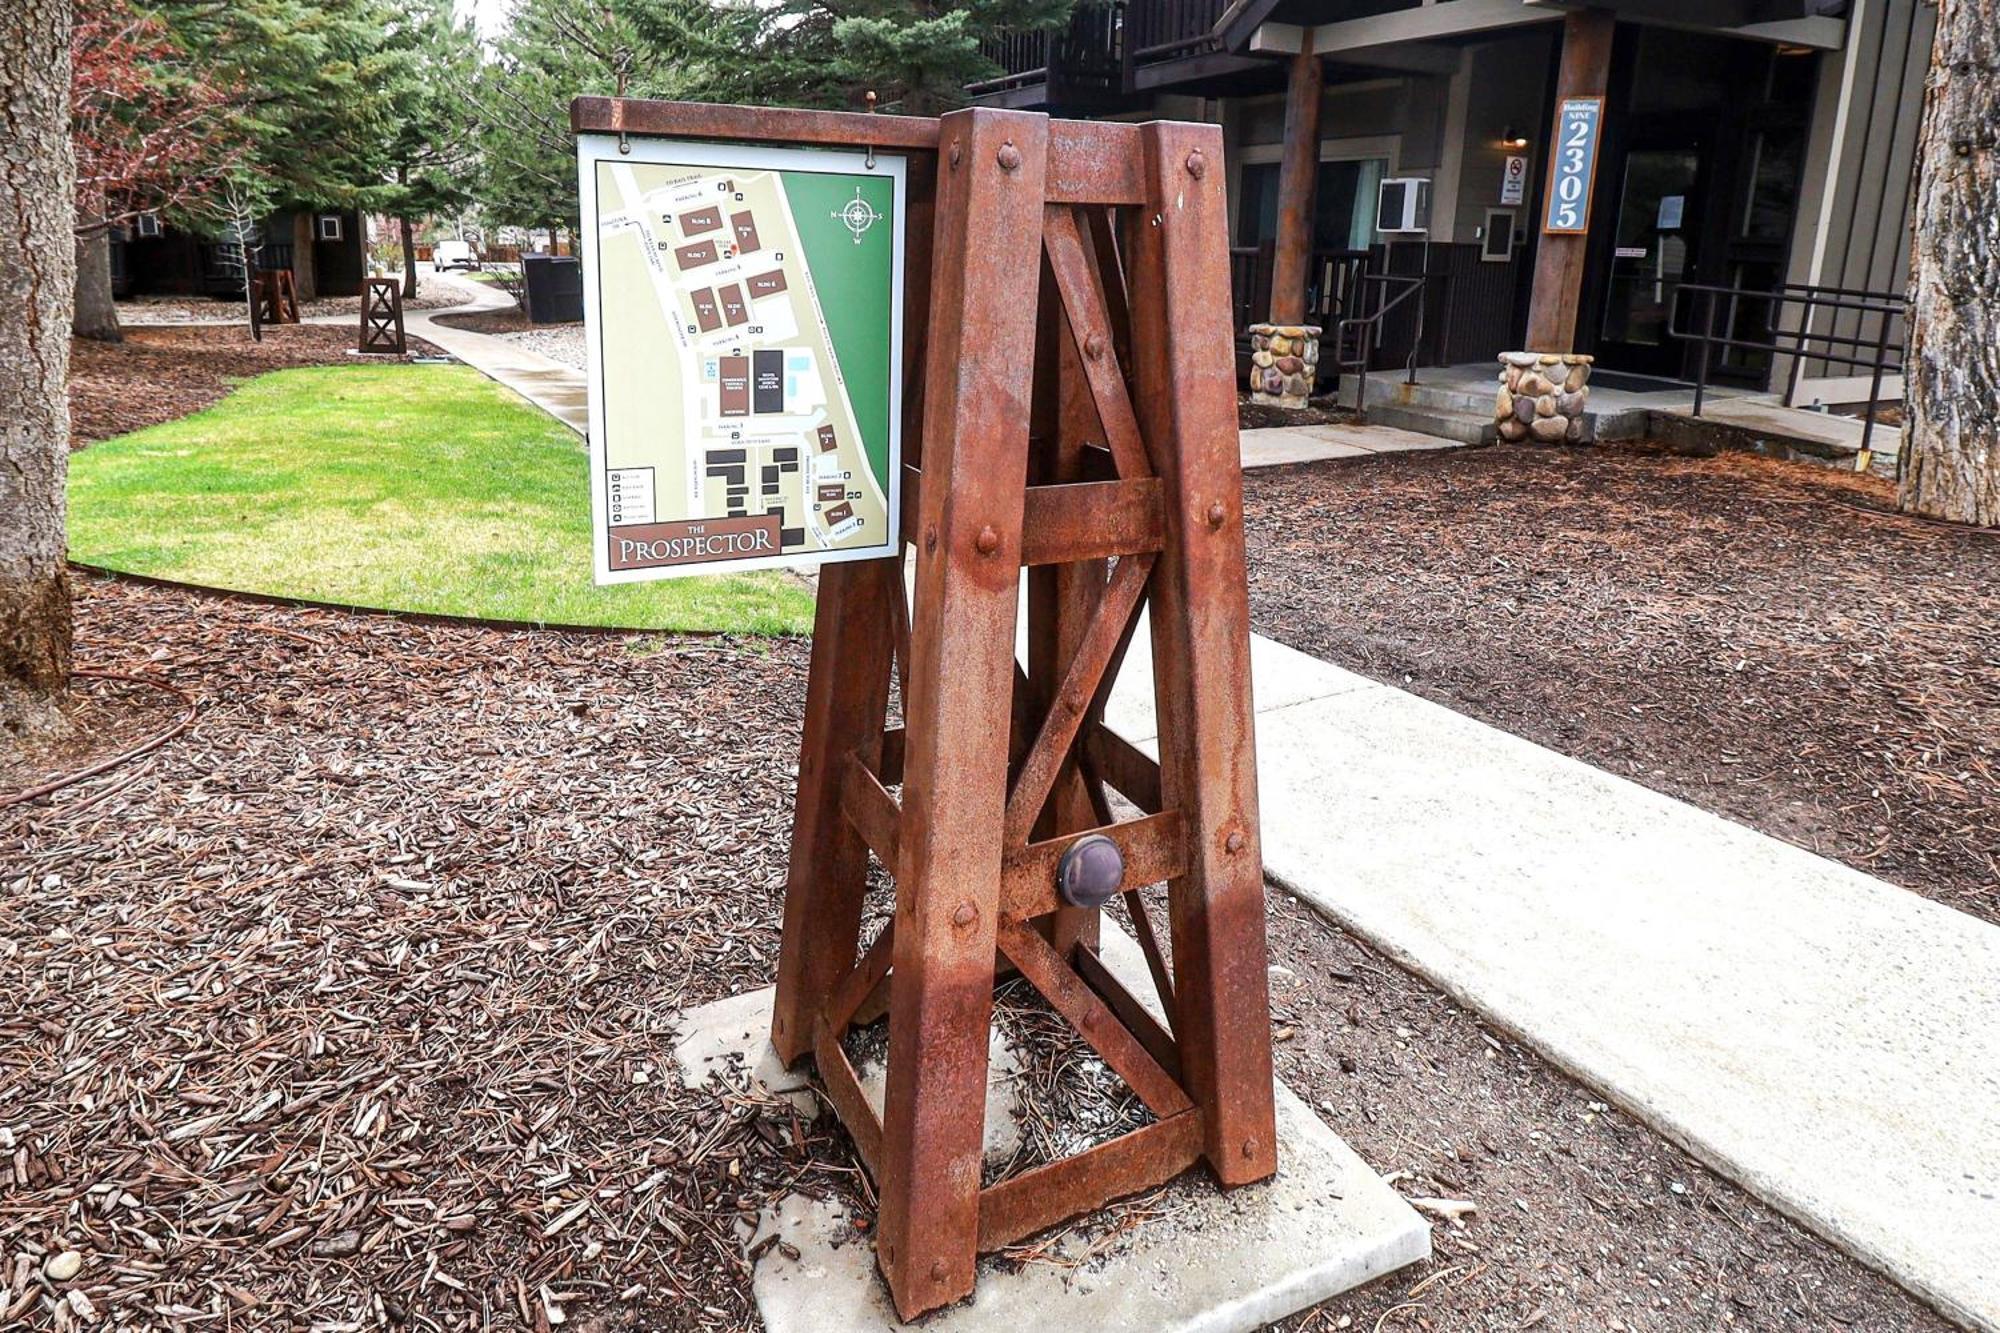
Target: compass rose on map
[{"x": 857, "y": 215}]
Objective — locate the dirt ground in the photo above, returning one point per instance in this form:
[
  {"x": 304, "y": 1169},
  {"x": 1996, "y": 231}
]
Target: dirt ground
[
  {"x": 164, "y": 373},
  {"x": 352, "y": 1007},
  {"x": 1751, "y": 636},
  {"x": 1257, "y": 416},
  {"x": 509, "y": 319}
]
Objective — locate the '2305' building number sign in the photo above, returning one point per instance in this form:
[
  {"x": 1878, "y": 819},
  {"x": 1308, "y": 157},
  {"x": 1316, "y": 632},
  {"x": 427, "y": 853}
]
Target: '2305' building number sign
[{"x": 1575, "y": 169}]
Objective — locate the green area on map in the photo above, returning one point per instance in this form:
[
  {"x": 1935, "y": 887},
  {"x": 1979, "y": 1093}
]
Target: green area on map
[{"x": 855, "y": 282}]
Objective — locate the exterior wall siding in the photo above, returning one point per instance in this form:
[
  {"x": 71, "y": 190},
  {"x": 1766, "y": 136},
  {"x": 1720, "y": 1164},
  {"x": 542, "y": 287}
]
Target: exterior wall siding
[{"x": 1854, "y": 231}]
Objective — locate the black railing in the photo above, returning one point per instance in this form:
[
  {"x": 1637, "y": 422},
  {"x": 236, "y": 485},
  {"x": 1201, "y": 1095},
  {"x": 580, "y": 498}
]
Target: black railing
[
  {"x": 1085, "y": 55},
  {"x": 1164, "y": 29},
  {"x": 1345, "y": 298},
  {"x": 1881, "y": 355},
  {"x": 1103, "y": 40},
  {"x": 1356, "y": 337}
]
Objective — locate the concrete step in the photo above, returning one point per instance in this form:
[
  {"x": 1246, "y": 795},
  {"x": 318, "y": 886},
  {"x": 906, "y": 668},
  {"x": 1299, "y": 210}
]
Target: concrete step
[
  {"x": 1388, "y": 387},
  {"x": 1466, "y": 427}
]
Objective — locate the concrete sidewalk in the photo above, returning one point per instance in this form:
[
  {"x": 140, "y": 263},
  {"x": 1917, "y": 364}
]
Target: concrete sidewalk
[
  {"x": 547, "y": 383},
  {"x": 1272, "y": 446},
  {"x": 1825, "y": 1039}
]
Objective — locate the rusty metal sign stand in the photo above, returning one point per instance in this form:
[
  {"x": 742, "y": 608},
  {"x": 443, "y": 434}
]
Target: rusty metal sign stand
[
  {"x": 277, "y": 297},
  {"x": 382, "y": 317},
  {"x": 1086, "y": 433}
]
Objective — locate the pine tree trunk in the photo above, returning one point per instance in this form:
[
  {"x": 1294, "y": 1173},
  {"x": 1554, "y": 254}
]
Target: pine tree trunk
[
  {"x": 305, "y": 274},
  {"x": 409, "y": 259},
  {"x": 37, "y": 287},
  {"x": 96, "y": 312},
  {"x": 1953, "y": 373}
]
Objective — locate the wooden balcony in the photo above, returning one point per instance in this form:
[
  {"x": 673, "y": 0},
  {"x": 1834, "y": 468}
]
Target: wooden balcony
[{"x": 1110, "y": 50}]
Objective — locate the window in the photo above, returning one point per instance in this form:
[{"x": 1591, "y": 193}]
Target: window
[
  {"x": 330, "y": 227},
  {"x": 1343, "y": 204},
  {"x": 1497, "y": 243},
  {"x": 149, "y": 225}
]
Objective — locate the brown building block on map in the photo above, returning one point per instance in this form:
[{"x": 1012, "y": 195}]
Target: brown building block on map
[
  {"x": 694, "y": 256},
  {"x": 839, "y": 514},
  {"x": 733, "y": 375},
  {"x": 733, "y": 308},
  {"x": 745, "y": 227},
  {"x": 832, "y": 494},
  {"x": 701, "y": 220},
  {"x": 767, "y": 284},
  {"x": 705, "y": 312},
  {"x": 827, "y": 443}
]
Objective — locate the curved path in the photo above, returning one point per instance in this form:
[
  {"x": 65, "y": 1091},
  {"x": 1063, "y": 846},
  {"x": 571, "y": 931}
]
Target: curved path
[{"x": 547, "y": 383}]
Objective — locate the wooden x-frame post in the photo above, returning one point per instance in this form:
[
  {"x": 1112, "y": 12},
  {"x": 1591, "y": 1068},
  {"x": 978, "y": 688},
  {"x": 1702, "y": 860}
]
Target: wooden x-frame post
[{"x": 1071, "y": 412}]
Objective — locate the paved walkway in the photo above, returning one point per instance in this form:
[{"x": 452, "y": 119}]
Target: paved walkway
[
  {"x": 1275, "y": 445},
  {"x": 547, "y": 383},
  {"x": 1827, "y": 1040}
]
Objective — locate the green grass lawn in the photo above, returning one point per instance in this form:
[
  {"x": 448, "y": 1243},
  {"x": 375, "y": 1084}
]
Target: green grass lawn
[{"x": 408, "y": 488}]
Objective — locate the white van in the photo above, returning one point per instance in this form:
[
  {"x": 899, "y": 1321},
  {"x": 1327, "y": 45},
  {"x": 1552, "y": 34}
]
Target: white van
[{"x": 453, "y": 254}]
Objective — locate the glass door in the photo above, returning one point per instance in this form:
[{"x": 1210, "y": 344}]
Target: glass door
[{"x": 1656, "y": 237}]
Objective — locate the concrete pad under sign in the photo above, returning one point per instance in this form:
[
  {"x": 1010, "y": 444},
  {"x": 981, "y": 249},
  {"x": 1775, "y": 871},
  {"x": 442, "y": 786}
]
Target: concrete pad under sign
[{"x": 1197, "y": 1261}]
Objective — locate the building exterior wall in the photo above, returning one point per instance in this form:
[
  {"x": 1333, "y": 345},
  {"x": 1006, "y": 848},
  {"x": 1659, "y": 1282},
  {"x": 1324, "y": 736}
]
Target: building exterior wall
[{"x": 1854, "y": 231}]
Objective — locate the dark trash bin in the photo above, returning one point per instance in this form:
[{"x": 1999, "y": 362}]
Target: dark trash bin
[{"x": 554, "y": 288}]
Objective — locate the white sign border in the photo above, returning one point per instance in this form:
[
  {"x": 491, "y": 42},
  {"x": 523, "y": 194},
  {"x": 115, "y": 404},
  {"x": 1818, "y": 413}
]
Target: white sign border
[{"x": 592, "y": 149}]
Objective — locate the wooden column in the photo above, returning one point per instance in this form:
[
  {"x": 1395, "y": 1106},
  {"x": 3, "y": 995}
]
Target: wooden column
[
  {"x": 1298, "y": 173},
  {"x": 1586, "y": 72}
]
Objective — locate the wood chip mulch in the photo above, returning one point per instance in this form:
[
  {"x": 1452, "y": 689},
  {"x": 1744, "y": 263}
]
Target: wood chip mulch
[
  {"x": 351, "y": 1008},
  {"x": 354, "y": 1003},
  {"x": 1751, "y": 636},
  {"x": 164, "y": 373}
]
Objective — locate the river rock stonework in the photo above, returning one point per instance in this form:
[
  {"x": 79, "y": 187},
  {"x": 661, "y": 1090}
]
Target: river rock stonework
[
  {"x": 1284, "y": 358},
  {"x": 1544, "y": 398}
]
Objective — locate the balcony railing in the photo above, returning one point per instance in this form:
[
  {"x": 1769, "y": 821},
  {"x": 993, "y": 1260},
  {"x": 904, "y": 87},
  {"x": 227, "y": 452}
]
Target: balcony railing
[
  {"x": 1103, "y": 42},
  {"x": 1168, "y": 29}
]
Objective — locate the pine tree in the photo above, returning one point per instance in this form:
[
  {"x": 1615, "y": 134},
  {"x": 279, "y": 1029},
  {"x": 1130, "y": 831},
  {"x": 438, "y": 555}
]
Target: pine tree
[
  {"x": 36, "y": 254},
  {"x": 1954, "y": 364},
  {"x": 431, "y": 154}
]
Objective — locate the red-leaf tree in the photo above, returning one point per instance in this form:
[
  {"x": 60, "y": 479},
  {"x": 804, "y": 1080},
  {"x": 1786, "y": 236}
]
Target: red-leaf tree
[{"x": 153, "y": 132}]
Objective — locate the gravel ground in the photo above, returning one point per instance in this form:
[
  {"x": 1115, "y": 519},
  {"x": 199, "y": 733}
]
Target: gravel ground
[
  {"x": 558, "y": 342},
  {"x": 1751, "y": 636},
  {"x": 351, "y": 1007}
]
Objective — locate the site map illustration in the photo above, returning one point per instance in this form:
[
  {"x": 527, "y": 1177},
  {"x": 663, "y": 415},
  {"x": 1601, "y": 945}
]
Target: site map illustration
[{"x": 745, "y": 328}]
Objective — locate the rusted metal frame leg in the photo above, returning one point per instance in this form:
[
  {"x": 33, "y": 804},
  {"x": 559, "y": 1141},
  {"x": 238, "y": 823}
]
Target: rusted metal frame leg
[
  {"x": 847, "y": 697},
  {"x": 1182, "y": 346},
  {"x": 1052, "y": 630},
  {"x": 980, "y": 365}
]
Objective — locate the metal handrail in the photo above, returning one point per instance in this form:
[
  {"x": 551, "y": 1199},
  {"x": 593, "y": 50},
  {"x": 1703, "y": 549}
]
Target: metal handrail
[
  {"x": 1412, "y": 284},
  {"x": 1801, "y": 343}
]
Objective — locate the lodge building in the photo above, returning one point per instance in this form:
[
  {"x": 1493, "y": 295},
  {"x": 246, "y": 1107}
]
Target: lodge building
[{"x": 1760, "y": 145}]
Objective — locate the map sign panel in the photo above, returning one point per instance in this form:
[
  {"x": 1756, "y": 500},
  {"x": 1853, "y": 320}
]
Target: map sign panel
[{"x": 743, "y": 308}]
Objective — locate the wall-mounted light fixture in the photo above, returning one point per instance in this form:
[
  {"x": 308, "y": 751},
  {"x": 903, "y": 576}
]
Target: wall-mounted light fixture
[{"x": 1513, "y": 139}]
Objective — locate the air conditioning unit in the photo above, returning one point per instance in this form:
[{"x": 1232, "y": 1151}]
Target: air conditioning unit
[
  {"x": 148, "y": 225},
  {"x": 1404, "y": 205}
]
